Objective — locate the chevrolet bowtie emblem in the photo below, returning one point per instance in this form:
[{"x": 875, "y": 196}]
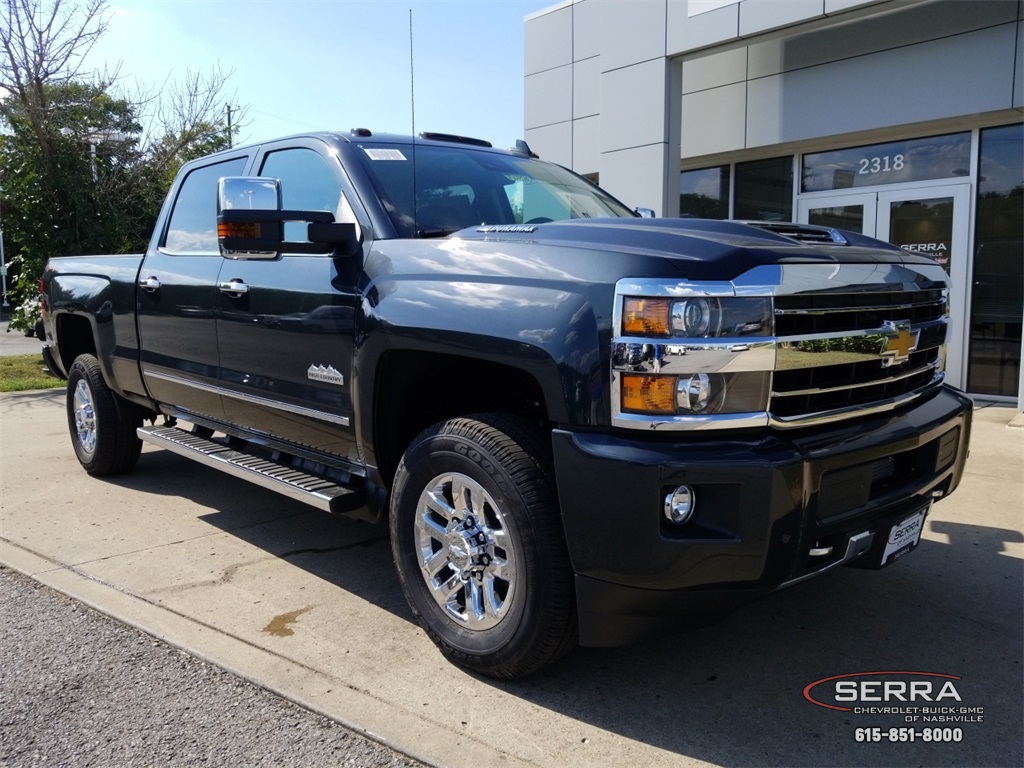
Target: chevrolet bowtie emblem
[{"x": 899, "y": 342}]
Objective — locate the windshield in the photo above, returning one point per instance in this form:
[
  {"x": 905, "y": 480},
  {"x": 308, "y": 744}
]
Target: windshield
[{"x": 458, "y": 187}]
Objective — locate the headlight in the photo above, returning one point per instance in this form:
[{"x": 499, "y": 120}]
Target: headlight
[
  {"x": 698, "y": 394},
  {"x": 696, "y": 317}
]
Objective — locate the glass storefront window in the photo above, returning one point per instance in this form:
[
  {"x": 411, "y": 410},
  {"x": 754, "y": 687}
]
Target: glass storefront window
[
  {"x": 704, "y": 194},
  {"x": 997, "y": 301},
  {"x": 897, "y": 162},
  {"x": 764, "y": 190}
]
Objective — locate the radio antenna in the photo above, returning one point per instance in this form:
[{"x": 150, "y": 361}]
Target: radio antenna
[{"x": 412, "y": 102}]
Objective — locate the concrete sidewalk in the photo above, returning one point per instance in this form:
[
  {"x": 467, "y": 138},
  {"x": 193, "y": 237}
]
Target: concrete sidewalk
[
  {"x": 309, "y": 606},
  {"x": 17, "y": 343}
]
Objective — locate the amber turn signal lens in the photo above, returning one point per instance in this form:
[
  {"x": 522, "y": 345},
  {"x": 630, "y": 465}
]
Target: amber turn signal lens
[
  {"x": 648, "y": 394},
  {"x": 225, "y": 229},
  {"x": 647, "y": 317}
]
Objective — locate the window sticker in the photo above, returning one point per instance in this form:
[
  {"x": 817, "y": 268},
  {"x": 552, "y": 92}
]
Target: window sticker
[{"x": 384, "y": 154}]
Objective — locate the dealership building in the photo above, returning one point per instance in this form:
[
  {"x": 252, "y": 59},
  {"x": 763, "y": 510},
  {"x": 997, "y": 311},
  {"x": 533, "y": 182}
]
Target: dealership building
[{"x": 900, "y": 119}]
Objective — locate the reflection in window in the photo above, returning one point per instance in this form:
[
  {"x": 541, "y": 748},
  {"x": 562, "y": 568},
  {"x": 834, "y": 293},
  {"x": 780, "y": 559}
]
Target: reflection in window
[
  {"x": 704, "y": 194},
  {"x": 307, "y": 184},
  {"x": 193, "y": 224},
  {"x": 848, "y": 217},
  {"x": 896, "y": 162},
  {"x": 924, "y": 227},
  {"x": 997, "y": 302},
  {"x": 764, "y": 190}
]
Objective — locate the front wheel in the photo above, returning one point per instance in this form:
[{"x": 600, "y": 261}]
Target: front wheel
[
  {"x": 102, "y": 425},
  {"x": 478, "y": 542}
]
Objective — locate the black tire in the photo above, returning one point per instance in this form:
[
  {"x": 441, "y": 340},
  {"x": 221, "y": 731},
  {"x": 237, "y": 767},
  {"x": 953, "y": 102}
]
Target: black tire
[
  {"x": 519, "y": 572},
  {"x": 102, "y": 425}
]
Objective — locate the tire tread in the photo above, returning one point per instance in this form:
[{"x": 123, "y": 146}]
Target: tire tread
[{"x": 525, "y": 457}]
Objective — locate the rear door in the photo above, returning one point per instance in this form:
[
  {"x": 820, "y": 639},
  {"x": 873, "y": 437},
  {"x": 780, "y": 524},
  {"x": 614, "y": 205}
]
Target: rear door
[
  {"x": 178, "y": 297},
  {"x": 286, "y": 333}
]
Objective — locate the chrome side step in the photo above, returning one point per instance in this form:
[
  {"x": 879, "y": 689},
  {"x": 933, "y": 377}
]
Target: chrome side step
[{"x": 301, "y": 486}]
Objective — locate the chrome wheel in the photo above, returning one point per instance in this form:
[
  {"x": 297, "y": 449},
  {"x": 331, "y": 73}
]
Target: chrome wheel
[
  {"x": 465, "y": 555},
  {"x": 85, "y": 417}
]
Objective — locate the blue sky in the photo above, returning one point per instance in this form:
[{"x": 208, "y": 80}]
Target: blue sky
[{"x": 336, "y": 64}]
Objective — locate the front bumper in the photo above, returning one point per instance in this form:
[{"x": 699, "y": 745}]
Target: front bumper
[{"x": 763, "y": 504}]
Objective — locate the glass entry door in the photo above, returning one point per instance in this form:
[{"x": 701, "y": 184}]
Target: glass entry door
[
  {"x": 856, "y": 212},
  {"x": 928, "y": 220}
]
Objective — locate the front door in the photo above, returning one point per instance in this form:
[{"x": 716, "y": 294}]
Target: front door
[
  {"x": 286, "y": 326},
  {"x": 928, "y": 220}
]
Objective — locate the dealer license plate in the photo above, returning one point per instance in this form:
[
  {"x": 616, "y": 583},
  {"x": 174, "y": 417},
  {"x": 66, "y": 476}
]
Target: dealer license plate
[{"x": 904, "y": 536}]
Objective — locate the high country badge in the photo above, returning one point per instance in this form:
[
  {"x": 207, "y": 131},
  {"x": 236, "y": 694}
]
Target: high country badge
[{"x": 327, "y": 374}]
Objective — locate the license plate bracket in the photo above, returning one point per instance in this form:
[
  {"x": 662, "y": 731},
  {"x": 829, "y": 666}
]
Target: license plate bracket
[{"x": 902, "y": 537}]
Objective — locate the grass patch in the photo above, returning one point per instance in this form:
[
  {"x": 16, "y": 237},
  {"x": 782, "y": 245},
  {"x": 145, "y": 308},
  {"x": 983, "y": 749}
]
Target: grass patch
[{"x": 23, "y": 372}]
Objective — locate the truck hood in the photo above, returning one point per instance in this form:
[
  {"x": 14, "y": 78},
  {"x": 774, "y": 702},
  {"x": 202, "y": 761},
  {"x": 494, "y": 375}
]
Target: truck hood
[{"x": 699, "y": 249}]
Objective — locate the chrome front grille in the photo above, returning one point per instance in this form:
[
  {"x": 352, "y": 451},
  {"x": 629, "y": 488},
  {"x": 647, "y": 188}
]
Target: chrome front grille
[
  {"x": 826, "y": 313},
  {"x": 845, "y": 340},
  {"x": 830, "y": 360}
]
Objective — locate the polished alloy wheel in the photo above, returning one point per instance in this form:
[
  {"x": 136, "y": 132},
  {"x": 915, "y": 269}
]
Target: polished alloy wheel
[
  {"x": 85, "y": 417},
  {"x": 465, "y": 553}
]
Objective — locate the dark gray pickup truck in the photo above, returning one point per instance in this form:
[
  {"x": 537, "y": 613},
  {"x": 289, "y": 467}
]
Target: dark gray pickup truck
[{"x": 582, "y": 425}]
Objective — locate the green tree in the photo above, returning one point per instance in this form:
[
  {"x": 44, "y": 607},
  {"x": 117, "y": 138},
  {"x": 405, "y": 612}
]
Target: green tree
[{"x": 82, "y": 168}]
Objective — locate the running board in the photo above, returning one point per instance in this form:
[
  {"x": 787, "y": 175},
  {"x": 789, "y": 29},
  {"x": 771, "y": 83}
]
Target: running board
[{"x": 301, "y": 486}]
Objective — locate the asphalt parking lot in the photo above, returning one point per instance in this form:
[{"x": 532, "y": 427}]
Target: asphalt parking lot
[{"x": 309, "y": 606}]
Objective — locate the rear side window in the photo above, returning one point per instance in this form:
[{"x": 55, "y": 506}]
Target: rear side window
[{"x": 193, "y": 224}]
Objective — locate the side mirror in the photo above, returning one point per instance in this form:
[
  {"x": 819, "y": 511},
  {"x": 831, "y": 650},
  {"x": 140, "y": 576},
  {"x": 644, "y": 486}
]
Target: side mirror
[
  {"x": 645, "y": 213},
  {"x": 250, "y": 223}
]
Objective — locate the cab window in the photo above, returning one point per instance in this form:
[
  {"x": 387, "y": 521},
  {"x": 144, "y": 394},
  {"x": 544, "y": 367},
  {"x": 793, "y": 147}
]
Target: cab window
[
  {"x": 307, "y": 184},
  {"x": 193, "y": 224}
]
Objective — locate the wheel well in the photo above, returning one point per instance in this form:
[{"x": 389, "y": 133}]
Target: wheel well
[
  {"x": 74, "y": 338},
  {"x": 417, "y": 389}
]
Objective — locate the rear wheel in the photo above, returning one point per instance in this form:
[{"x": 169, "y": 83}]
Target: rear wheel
[
  {"x": 102, "y": 425},
  {"x": 479, "y": 546}
]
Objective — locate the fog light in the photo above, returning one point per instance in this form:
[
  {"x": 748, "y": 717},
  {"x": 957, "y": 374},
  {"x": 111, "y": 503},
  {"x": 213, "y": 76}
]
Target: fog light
[{"x": 679, "y": 504}]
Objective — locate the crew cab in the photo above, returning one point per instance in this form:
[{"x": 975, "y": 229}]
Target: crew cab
[{"x": 581, "y": 425}]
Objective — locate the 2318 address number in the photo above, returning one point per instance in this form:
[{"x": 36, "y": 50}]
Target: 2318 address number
[{"x": 882, "y": 164}]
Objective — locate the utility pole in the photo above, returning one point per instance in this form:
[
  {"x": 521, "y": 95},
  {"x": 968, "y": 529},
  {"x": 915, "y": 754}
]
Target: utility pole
[{"x": 230, "y": 139}]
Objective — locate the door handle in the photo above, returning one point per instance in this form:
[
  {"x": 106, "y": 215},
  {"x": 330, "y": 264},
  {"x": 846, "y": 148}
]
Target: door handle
[
  {"x": 149, "y": 283},
  {"x": 234, "y": 287}
]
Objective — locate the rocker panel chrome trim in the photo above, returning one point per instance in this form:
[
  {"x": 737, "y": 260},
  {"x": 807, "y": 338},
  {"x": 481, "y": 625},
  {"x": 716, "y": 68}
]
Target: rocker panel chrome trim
[{"x": 262, "y": 401}]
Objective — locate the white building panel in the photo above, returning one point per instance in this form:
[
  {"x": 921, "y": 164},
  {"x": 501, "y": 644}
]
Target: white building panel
[
  {"x": 548, "y": 97},
  {"x": 634, "y": 176},
  {"x": 632, "y": 32},
  {"x": 714, "y": 120},
  {"x": 688, "y": 34},
  {"x": 586, "y": 144},
  {"x": 638, "y": 94},
  {"x": 586, "y": 92},
  {"x": 552, "y": 142},
  {"x": 586, "y": 38},
  {"x": 549, "y": 42},
  {"x": 758, "y": 16},
  {"x": 714, "y": 70}
]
